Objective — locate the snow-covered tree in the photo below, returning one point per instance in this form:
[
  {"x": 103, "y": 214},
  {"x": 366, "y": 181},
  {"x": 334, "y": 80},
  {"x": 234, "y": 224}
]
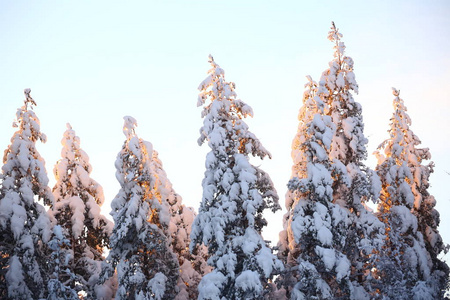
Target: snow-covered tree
[
  {"x": 24, "y": 224},
  {"x": 315, "y": 227},
  {"x": 78, "y": 199},
  {"x": 411, "y": 267},
  {"x": 365, "y": 233},
  {"x": 192, "y": 266},
  {"x": 60, "y": 282},
  {"x": 235, "y": 195},
  {"x": 140, "y": 252}
]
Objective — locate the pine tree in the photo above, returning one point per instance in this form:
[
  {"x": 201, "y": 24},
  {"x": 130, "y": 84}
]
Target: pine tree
[
  {"x": 411, "y": 268},
  {"x": 59, "y": 285},
  {"x": 314, "y": 227},
  {"x": 24, "y": 223},
  {"x": 365, "y": 234},
  {"x": 192, "y": 266},
  {"x": 146, "y": 266},
  {"x": 77, "y": 208},
  {"x": 235, "y": 195}
]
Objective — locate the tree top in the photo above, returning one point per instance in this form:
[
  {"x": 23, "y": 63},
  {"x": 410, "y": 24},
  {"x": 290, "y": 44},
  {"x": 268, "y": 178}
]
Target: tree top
[
  {"x": 129, "y": 126},
  {"x": 28, "y": 98}
]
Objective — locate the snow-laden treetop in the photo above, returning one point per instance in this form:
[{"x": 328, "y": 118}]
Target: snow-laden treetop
[
  {"x": 215, "y": 87},
  {"x": 340, "y": 74},
  {"x": 225, "y": 108},
  {"x": 129, "y": 126},
  {"x": 27, "y": 120}
]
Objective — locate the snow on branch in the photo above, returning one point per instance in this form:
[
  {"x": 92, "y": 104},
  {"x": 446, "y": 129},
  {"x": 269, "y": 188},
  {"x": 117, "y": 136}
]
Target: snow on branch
[
  {"x": 129, "y": 126},
  {"x": 28, "y": 98}
]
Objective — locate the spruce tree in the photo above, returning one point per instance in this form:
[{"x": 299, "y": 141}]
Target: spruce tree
[
  {"x": 315, "y": 227},
  {"x": 410, "y": 267},
  {"x": 24, "y": 223},
  {"x": 235, "y": 195},
  {"x": 140, "y": 252},
  {"x": 192, "y": 266},
  {"x": 78, "y": 199},
  {"x": 365, "y": 234},
  {"x": 62, "y": 279}
]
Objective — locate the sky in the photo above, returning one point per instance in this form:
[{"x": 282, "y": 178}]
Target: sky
[{"x": 89, "y": 63}]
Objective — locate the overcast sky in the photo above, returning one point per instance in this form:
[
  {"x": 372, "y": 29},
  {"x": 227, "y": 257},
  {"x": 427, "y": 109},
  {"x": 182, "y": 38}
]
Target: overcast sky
[{"x": 92, "y": 62}]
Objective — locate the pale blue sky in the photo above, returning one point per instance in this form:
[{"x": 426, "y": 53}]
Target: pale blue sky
[{"x": 92, "y": 62}]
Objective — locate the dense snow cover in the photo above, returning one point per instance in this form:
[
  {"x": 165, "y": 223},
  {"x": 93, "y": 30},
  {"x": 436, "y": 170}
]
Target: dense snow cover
[
  {"x": 77, "y": 210},
  {"x": 330, "y": 186},
  {"x": 63, "y": 279},
  {"x": 140, "y": 251},
  {"x": 235, "y": 194},
  {"x": 314, "y": 225},
  {"x": 354, "y": 183},
  {"x": 53, "y": 243},
  {"x": 24, "y": 223},
  {"x": 413, "y": 243}
]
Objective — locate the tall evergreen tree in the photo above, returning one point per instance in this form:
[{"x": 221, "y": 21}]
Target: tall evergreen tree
[
  {"x": 146, "y": 266},
  {"x": 365, "y": 234},
  {"x": 411, "y": 268},
  {"x": 78, "y": 199},
  {"x": 24, "y": 223},
  {"x": 192, "y": 266},
  {"x": 235, "y": 195},
  {"x": 314, "y": 226}
]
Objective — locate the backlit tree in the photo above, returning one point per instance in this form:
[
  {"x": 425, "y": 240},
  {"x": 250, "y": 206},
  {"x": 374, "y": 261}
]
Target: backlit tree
[
  {"x": 313, "y": 237},
  {"x": 140, "y": 251},
  {"x": 78, "y": 199},
  {"x": 411, "y": 267},
  {"x": 24, "y": 223},
  {"x": 365, "y": 233}
]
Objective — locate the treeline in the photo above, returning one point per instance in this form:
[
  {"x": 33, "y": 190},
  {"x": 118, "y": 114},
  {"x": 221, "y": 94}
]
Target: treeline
[{"x": 332, "y": 245}]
